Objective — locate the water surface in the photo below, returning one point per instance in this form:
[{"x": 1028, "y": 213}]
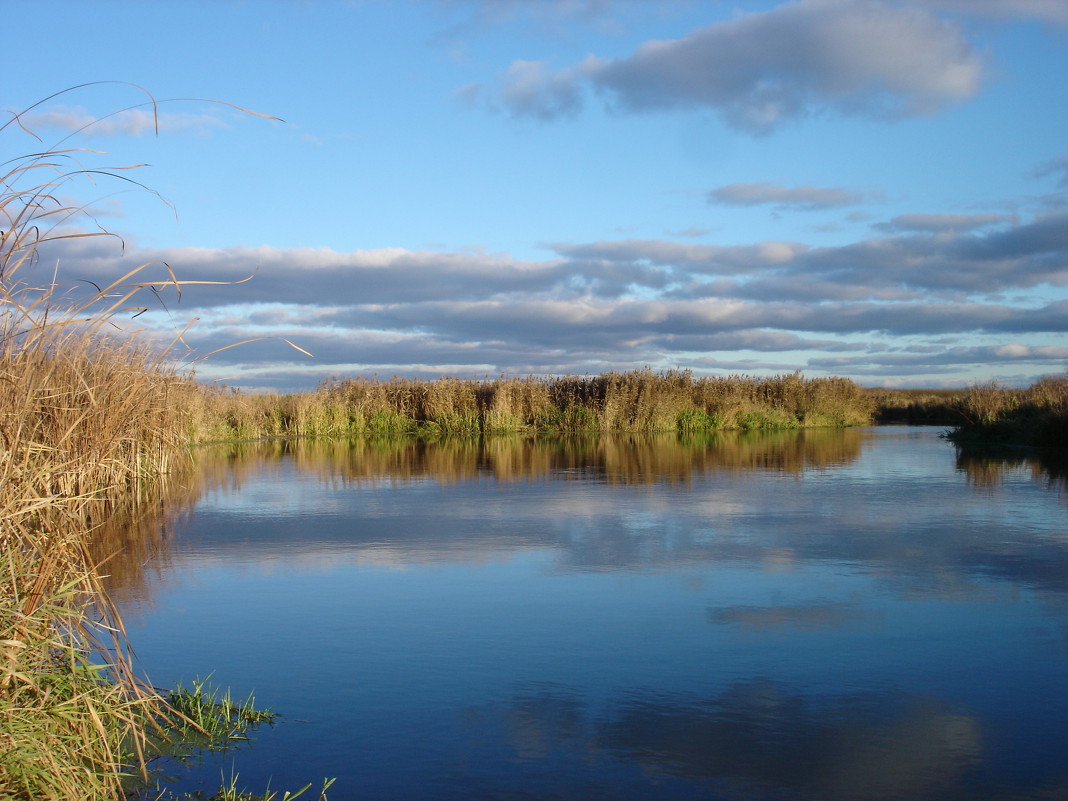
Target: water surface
[{"x": 858, "y": 614}]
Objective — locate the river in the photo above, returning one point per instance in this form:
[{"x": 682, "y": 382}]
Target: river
[{"x": 840, "y": 615}]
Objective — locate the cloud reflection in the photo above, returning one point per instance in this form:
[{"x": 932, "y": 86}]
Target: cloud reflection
[
  {"x": 755, "y": 739},
  {"x": 627, "y": 504}
]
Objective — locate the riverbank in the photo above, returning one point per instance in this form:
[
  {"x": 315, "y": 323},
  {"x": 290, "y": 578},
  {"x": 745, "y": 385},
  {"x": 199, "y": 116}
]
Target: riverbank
[
  {"x": 89, "y": 434},
  {"x": 1035, "y": 416},
  {"x": 96, "y": 429},
  {"x": 639, "y": 400}
]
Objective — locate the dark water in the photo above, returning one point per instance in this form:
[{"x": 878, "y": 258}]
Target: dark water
[{"x": 859, "y": 614}]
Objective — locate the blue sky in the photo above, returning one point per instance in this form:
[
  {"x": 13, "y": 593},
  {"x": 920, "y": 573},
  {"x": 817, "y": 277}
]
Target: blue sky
[{"x": 869, "y": 188}]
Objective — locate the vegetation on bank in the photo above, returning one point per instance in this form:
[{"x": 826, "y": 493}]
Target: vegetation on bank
[
  {"x": 1035, "y": 416},
  {"x": 639, "y": 400},
  {"x": 937, "y": 407},
  {"x": 92, "y": 429}
]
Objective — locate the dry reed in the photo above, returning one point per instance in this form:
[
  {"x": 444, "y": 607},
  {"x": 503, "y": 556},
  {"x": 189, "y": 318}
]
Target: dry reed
[
  {"x": 639, "y": 400},
  {"x": 1036, "y": 415},
  {"x": 90, "y": 427}
]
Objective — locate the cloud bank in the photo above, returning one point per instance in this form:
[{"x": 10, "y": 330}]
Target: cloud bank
[{"x": 934, "y": 295}]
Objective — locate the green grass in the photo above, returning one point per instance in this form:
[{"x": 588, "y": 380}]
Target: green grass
[
  {"x": 207, "y": 712},
  {"x": 229, "y": 791}
]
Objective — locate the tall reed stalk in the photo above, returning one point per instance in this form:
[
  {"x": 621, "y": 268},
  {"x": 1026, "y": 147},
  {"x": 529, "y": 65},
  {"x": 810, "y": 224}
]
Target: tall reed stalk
[{"x": 91, "y": 425}]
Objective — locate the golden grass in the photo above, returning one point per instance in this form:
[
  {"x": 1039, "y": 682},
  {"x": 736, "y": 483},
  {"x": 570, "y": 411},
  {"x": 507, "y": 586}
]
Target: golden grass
[
  {"x": 91, "y": 426},
  {"x": 89, "y": 429},
  {"x": 639, "y": 400},
  {"x": 1036, "y": 415}
]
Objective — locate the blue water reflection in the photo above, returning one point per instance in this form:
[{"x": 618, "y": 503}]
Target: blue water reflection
[{"x": 826, "y": 615}]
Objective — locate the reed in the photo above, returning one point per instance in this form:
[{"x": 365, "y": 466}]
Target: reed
[
  {"x": 89, "y": 430},
  {"x": 639, "y": 400},
  {"x": 92, "y": 425},
  {"x": 1034, "y": 416},
  {"x": 918, "y": 406}
]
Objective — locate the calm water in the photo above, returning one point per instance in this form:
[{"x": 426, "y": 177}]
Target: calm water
[{"x": 828, "y": 615}]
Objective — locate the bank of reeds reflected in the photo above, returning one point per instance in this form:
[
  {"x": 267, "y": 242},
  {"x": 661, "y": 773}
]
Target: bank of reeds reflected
[
  {"x": 988, "y": 467},
  {"x": 618, "y": 458}
]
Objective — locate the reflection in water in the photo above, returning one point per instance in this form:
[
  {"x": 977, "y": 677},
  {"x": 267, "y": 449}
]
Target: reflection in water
[
  {"x": 989, "y": 467},
  {"x": 819, "y": 615},
  {"x": 758, "y": 738},
  {"x": 758, "y": 735},
  {"x": 801, "y": 616},
  {"x": 130, "y": 544},
  {"x": 135, "y": 538},
  {"x": 617, "y": 459}
]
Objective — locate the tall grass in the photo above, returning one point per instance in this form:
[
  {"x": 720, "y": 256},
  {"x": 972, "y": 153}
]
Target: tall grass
[
  {"x": 88, "y": 431},
  {"x": 1035, "y": 416},
  {"x": 639, "y": 400},
  {"x": 919, "y": 406},
  {"x": 91, "y": 426}
]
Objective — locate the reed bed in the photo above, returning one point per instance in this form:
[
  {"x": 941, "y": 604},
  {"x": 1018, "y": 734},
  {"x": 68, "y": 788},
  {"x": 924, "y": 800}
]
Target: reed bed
[
  {"x": 87, "y": 425},
  {"x": 918, "y": 406},
  {"x": 88, "y": 430},
  {"x": 1035, "y": 416},
  {"x": 640, "y": 400},
  {"x": 93, "y": 427}
]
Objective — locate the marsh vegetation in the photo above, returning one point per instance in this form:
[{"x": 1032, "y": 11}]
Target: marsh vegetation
[
  {"x": 1035, "y": 416},
  {"x": 95, "y": 428},
  {"x": 94, "y": 431},
  {"x": 637, "y": 400}
]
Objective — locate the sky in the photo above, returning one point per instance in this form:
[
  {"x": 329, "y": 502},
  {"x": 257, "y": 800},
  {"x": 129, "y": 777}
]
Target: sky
[{"x": 875, "y": 189}]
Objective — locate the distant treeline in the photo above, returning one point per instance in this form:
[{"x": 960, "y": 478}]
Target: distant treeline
[
  {"x": 937, "y": 407},
  {"x": 640, "y": 400}
]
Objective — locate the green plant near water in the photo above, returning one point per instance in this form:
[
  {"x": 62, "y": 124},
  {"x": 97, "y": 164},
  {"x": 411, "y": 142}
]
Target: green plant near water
[
  {"x": 229, "y": 791},
  {"x": 209, "y": 718},
  {"x": 91, "y": 426},
  {"x": 213, "y": 714}
]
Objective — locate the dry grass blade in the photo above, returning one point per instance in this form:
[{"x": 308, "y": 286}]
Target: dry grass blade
[{"x": 254, "y": 339}]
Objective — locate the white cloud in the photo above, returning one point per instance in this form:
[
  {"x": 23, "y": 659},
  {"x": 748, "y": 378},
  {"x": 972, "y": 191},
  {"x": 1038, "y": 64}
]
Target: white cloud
[
  {"x": 856, "y": 57},
  {"x": 531, "y": 88},
  {"x": 943, "y": 222},
  {"x": 1047, "y": 10}
]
